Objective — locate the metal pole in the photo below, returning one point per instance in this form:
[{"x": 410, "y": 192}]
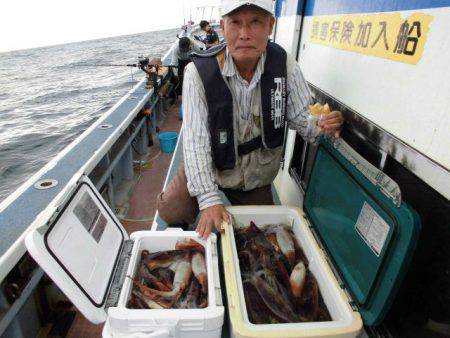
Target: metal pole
[
  {"x": 12, "y": 312},
  {"x": 114, "y": 163}
]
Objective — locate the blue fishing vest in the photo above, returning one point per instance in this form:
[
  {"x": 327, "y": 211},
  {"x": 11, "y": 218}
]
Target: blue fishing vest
[{"x": 220, "y": 105}]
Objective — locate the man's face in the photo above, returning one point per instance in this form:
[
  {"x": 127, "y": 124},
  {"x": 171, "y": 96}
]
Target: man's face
[{"x": 246, "y": 32}]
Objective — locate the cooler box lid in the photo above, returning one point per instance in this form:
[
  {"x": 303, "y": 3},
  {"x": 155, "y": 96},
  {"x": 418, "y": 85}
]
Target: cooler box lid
[
  {"x": 368, "y": 237},
  {"x": 80, "y": 248}
]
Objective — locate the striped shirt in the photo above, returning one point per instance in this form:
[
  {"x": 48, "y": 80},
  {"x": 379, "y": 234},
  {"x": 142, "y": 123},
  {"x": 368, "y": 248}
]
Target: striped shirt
[{"x": 198, "y": 162}]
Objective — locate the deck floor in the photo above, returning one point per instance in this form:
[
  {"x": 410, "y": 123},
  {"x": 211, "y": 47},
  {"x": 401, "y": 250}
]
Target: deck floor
[{"x": 142, "y": 206}]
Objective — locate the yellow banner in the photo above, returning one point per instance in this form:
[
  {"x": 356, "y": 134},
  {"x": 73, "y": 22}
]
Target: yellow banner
[{"x": 387, "y": 36}]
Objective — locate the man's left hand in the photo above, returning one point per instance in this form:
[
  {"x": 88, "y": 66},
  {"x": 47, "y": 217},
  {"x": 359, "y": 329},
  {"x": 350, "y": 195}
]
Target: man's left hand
[{"x": 332, "y": 123}]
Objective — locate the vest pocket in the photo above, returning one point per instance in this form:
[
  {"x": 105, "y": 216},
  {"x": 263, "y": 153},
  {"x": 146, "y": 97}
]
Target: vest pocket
[{"x": 266, "y": 156}]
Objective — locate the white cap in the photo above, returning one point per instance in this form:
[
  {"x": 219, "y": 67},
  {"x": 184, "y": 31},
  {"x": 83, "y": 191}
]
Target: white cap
[{"x": 227, "y": 6}]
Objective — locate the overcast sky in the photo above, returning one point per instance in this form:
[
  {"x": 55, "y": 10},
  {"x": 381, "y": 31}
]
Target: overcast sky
[{"x": 27, "y": 23}]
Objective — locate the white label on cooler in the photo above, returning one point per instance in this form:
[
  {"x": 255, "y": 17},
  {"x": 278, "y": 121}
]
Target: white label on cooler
[
  {"x": 372, "y": 228},
  {"x": 90, "y": 216}
]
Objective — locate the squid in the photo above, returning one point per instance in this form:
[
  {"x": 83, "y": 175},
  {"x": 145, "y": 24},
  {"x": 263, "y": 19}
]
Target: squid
[
  {"x": 181, "y": 279},
  {"x": 189, "y": 244},
  {"x": 199, "y": 269},
  {"x": 297, "y": 279}
]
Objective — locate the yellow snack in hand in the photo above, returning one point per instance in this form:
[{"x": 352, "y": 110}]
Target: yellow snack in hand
[{"x": 316, "y": 110}]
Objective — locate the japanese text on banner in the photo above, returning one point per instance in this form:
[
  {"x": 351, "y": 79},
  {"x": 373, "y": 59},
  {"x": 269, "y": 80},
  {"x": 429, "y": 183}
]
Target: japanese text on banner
[{"x": 387, "y": 36}]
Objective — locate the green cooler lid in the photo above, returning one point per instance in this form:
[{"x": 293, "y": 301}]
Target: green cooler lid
[{"x": 369, "y": 236}]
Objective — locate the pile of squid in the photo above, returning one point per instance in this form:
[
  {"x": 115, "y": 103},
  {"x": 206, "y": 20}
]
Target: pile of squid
[
  {"x": 278, "y": 286},
  {"x": 175, "y": 279}
]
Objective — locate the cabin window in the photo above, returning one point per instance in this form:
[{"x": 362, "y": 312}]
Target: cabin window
[
  {"x": 304, "y": 153},
  {"x": 302, "y": 161}
]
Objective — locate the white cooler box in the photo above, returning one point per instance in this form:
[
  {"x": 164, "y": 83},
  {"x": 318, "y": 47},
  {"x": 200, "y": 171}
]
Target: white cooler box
[
  {"x": 345, "y": 323},
  {"x": 88, "y": 254}
]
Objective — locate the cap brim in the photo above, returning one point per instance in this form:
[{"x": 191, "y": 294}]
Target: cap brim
[{"x": 230, "y": 9}]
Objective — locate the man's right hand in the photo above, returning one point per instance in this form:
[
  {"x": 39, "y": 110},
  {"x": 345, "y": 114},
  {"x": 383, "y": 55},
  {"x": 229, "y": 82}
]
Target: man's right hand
[{"x": 213, "y": 215}]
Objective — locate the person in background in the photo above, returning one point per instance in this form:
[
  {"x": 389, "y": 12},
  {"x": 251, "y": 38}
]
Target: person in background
[
  {"x": 212, "y": 38},
  {"x": 181, "y": 56}
]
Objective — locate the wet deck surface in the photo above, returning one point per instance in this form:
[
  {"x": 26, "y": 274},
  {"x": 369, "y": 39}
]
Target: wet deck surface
[{"x": 141, "y": 206}]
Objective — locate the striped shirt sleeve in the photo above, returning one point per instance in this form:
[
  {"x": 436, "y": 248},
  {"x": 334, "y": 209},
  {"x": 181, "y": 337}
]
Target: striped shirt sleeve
[
  {"x": 299, "y": 99},
  {"x": 196, "y": 141}
]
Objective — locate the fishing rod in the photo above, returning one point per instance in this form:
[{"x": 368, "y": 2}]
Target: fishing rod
[
  {"x": 111, "y": 65},
  {"x": 143, "y": 63}
]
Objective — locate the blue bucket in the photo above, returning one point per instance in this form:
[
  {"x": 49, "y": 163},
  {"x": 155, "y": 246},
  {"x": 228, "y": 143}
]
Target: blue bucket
[{"x": 168, "y": 141}]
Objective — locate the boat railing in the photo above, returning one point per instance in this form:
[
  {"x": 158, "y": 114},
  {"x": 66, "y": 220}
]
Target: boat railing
[{"x": 105, "y": 152}]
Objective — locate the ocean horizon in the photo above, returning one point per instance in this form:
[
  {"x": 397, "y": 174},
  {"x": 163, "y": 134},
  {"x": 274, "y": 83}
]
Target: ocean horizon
[{"x": 49, "y": 95}]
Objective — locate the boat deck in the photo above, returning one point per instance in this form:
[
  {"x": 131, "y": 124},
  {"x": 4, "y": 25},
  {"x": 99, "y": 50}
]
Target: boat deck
[{"x": 140, "y": 206}]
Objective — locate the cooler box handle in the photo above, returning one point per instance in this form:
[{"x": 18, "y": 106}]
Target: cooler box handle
[{"x": 160, "y": 333}]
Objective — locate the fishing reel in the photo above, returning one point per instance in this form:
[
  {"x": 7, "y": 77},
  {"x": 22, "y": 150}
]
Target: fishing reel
[
  {"x": 143, "y": 61},
  {"x": 151, "y": 69}
]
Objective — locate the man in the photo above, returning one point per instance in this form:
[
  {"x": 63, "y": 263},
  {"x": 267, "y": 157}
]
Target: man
[
  {"x": 235, "y": 103},
  {"x": 181, "y": 56},
  {"x": 211, "y": 39}
]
